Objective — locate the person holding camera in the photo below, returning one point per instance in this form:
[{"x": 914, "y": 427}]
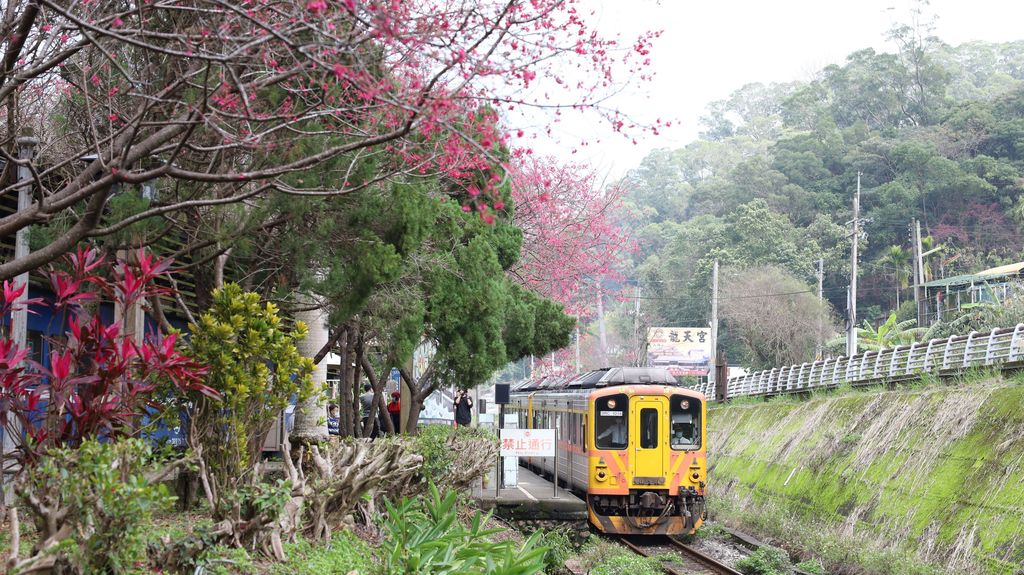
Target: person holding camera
[{"x": 463, "y": 408}]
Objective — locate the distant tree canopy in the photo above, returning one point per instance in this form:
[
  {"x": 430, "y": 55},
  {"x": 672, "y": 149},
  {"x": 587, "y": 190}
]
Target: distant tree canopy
[
  {"x": 777, "y": 317},
  {"x": 934, "y": 131}
]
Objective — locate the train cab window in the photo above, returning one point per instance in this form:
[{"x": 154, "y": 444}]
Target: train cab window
[
  {"x": 648, "y": 428},
  {"x": 685, "y": 421},
  {"x": 610, "y": 415}
]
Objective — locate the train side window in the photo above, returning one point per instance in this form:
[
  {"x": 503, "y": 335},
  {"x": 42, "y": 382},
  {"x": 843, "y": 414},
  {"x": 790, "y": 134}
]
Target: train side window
[
  {"x": 610, "y": 422},
  {"x": 648, "y": 428},
  {"x": 685, "y": 422}
]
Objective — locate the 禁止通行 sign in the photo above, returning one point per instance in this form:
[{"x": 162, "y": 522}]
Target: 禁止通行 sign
[{"x": 527, "y": 442}]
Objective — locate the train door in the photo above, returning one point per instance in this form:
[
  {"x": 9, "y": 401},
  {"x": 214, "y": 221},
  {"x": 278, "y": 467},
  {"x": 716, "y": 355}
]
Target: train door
[{"x": 648, "y": 422}]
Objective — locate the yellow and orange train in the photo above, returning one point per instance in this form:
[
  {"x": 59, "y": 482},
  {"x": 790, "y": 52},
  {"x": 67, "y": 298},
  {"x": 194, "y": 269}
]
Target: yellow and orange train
[{"x": 631, "y": 440}]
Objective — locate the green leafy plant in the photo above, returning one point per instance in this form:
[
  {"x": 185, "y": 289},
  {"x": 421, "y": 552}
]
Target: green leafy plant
[
  {"x": 890, "y": 333},
  {"x": 766, "y": 560},
  {"x": 601, "y": 557},
  {"x": 559, "y": 548},
  {"x": 90, "y": 505},
  {"x": 811, "y": 566},
  {"x": 455, "y": 457},
  {"x": 345, "y": 553},
  {"x": 256, "y": 369},
  {"x": 627, "y": 563},
  {"x": 425, "y": 536}
]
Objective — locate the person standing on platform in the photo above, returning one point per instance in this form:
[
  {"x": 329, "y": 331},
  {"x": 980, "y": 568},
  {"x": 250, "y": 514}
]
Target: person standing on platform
[
  {"x": 463, "y": 409},
  {"x": 395, "y": 409},
  {"x": 333, "y": 427},
  {"x": 366, "y": 403}
]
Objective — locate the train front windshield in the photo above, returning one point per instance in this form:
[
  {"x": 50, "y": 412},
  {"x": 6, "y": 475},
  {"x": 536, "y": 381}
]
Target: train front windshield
[
  {"x": 685, "y": 421},
  {"x": 610, "y": 422}
]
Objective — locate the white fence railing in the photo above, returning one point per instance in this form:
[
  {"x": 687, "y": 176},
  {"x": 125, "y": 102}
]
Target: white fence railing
[{"x": 957, "y": 353}]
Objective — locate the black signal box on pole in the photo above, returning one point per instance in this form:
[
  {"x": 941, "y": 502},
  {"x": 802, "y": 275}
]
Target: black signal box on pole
[{"x": 501, "y": 393}]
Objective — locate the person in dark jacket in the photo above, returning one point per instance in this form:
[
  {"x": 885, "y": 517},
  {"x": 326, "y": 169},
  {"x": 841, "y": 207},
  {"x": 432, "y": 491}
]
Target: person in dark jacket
[{"x": 463, "y": 408}]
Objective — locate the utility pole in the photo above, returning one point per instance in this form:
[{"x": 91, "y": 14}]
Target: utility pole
[
  {"x": 913, "y": 264},
  {"x": 820, "y": 348},
  {"x": 577, "y": 345},
  {"x": 19, "y": 317},
  {"x": 714, "y": 324},
  {"x": 851, "y": 336},
  {"x": 602, "y": 336},
  {"x": 636, "y": 325},
  {"x": 919, "y": 297}
]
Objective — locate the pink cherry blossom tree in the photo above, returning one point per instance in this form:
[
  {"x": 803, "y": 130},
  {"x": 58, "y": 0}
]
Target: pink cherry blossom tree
[
  {"x": 573, "y": 240},
  {"x": 227, "y": 101}
]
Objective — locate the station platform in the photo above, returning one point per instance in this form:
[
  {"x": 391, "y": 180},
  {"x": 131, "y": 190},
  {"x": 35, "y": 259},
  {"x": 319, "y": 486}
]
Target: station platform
[{"x": 533, "y": 497}]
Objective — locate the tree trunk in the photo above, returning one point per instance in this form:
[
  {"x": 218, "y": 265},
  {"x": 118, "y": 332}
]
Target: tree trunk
[
  {"x": 412, "y": 421},
  {"x": 345, "y": 385},
  {"x": 379, "y": 409},
  {"x": 311, "y": 413},
  {"x": 419, "y": 390},
  {"x": 357, "y": 388}
]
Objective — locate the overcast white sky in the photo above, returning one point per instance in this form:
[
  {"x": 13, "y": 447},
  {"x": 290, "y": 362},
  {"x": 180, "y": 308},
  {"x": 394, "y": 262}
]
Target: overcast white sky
[{"x": 710, "y": 48}]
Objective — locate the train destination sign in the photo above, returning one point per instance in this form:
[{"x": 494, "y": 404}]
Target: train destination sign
[{"x": 527, "y": 442}]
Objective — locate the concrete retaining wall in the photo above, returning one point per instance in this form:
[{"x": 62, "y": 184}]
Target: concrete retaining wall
[{"x": 932, "y": 474}]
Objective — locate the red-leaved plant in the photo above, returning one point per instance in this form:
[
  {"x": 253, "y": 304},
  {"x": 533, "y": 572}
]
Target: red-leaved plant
[{"x": 96, "y": 382}]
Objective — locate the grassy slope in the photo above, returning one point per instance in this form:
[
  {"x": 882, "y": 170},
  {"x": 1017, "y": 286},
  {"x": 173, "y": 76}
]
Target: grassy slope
[{"x": 915, "y": 480}]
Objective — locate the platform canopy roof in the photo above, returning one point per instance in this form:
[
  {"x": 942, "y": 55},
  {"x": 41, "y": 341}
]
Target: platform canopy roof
[{"x": 983, "y": 276}]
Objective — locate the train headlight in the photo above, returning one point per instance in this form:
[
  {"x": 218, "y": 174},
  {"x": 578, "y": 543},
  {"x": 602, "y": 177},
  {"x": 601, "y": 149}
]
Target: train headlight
[
  {"x": 601, "y": 476},
  {"x": 684, "y": 404},
  {"x": 695, "y": 475},
  {"x": 611, "y": 404}
]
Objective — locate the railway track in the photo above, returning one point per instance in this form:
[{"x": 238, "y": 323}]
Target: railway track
[{"x": 684, "y": 560}]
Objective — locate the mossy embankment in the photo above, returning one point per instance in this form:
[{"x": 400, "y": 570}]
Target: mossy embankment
[{"x": 921, "y": 479}]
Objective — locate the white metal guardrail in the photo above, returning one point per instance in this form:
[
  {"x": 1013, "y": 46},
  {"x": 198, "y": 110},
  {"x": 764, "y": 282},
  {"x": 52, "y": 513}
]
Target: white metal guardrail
[{"x": 954, "y": 354}]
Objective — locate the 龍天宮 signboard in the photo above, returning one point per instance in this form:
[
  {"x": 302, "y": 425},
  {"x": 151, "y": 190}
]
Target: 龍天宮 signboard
[
  {"x": 682, "y": 350},
  {"x": 527, "y": 442}
]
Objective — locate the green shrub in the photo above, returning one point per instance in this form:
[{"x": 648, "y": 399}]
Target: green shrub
[
  {"x": 256, "y": 368},
  {"x": 766, "y": 560},
  {"x": 455, "y": 457},
  {"x": 811, "y": 566},
  {"x": 104, "y": 496},
  {"x": 425, "y": 536},
  {"x": 344, "y": 554},
  {"x": 627, "y": 563},
  {"x": 559, "y": 548},
  {"x": 601, "y": 557},
  {"x": 432, "y": 443}
]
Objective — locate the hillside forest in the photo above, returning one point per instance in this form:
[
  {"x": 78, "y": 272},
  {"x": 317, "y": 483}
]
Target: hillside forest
[{"x": 936, "y": 133}]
